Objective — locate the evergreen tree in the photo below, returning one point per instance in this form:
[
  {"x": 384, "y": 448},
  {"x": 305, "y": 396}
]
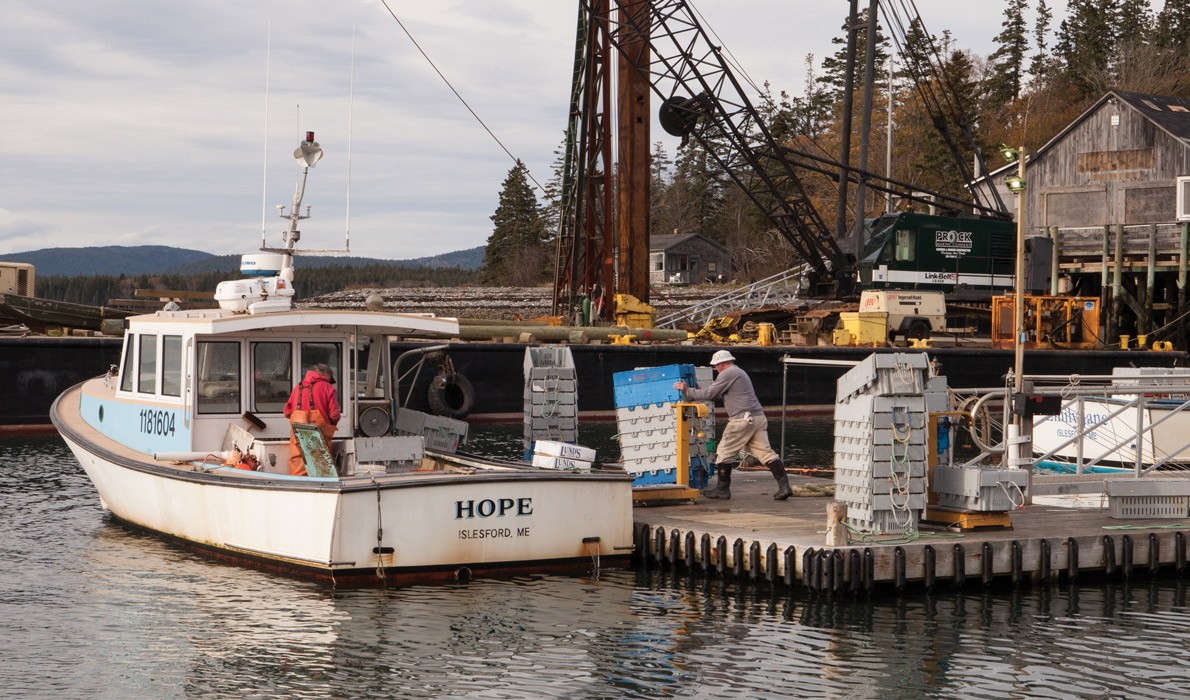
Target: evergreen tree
[
  {"x": 834, "y": 68},
  {"x": 659, "y": 173},
  {"x": 1037, "y": 67},
  {"x": 1086, "y": 42},
  {"x": 1008, "y": 60},
  {"x": 1172, "y": 28},
  {"x": 695, "y": 196},
  {"x": 1133, "y": 23},
  {"x": 551, "y": 210},
  {"x": 813, "y": 110},
  {"x": 516, "y": 251}
]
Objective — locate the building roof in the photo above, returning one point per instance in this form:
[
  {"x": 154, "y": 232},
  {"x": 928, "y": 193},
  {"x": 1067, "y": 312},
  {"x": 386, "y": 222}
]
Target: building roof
[
  {"x": 1170, "y": 114},
  {"x": 670, "y": 240}
]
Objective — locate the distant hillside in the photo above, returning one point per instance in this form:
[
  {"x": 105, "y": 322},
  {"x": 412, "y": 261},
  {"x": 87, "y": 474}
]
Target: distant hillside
[
  {"x": 157, "y": 259},
  {"x": 107, "y": 260}
]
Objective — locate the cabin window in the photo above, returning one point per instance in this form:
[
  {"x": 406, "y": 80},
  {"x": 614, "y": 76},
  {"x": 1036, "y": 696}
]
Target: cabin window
[
  {"x": 218, "y": 377},
  {"x": 171, "y": 365},
  {"x": 329, "y": 353},
  {"x": 146, "y": 381},
  {"x": 272, "y": 376},
  {"x": 127, "y": 371},
  {"x": 906, "y": 246},
  {"x": 657, "y": 262}
]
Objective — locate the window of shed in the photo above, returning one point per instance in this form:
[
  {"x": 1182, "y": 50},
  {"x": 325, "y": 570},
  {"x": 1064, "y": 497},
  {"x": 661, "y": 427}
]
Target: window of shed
[{"x": 657, "y": 262}]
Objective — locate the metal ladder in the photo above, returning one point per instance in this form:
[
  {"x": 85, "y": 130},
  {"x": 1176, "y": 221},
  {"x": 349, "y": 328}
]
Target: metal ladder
[{"x": 778, "y": 290}]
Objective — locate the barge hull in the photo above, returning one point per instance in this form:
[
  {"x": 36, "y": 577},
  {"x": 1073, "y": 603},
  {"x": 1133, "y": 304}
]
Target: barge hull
[{"x": 41, "y": 368}]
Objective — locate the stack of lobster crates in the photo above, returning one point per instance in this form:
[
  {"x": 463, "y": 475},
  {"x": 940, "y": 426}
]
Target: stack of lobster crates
[
  {"x": 551, "y": 396},
  {"x": 881, "y": 425},
  {"x": 646, "y": 421}
]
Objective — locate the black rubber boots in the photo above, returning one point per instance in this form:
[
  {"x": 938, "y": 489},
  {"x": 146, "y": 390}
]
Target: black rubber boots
[
  {"x": 778, "y": 470},
  {"x": 722, "y": 485}
]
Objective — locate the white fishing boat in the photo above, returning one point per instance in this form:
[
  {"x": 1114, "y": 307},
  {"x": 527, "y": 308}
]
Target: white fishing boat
[
  {"x": 187, "y": 438},
  {"x": 1151, "y": 422}
]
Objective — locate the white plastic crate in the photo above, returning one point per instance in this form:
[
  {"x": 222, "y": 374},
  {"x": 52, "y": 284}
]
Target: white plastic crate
[{"x": 1149, "y": 507}]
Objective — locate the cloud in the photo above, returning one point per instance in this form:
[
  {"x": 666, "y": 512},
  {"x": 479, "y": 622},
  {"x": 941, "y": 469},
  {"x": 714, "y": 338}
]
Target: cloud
[{"x": 144, "y": 122}]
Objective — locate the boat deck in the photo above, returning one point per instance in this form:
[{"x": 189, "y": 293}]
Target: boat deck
[{"x": 754, "y": 538}]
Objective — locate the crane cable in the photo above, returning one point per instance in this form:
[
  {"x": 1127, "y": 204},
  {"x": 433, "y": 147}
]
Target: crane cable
[{"x": 456, "y": 94}]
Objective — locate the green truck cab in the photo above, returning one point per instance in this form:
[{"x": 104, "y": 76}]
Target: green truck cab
[{"x": 965, "y": 257}]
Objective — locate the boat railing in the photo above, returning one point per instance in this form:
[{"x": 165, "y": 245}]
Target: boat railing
[
  {"x": 1139, "y": 397},
  {"x": 398, "y": 376}
]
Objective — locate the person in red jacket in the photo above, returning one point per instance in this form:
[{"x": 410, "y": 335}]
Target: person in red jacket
[{"x": 313, "y": 401}]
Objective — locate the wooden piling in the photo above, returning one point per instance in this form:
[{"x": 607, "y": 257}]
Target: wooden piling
[{"x": 1117, "y": 283}]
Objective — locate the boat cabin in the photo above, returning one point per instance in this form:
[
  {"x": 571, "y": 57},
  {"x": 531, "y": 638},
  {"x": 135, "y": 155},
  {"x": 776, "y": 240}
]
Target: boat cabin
[{"x": 185, "y": 376}]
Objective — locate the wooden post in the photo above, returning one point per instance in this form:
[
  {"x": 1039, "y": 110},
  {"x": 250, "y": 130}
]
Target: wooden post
[
  {"x": 1117, "y": 284},
  {"x": 1185, "y": 239},
  {"x": 837, "y": 534},
  {"x": 1054, "y": 262},
  {"x": 1104, "y": 312},
  {"x": 1150, "y": 283}
]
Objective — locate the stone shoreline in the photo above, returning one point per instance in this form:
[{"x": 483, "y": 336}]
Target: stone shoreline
[{"x": 497, "y": 303}]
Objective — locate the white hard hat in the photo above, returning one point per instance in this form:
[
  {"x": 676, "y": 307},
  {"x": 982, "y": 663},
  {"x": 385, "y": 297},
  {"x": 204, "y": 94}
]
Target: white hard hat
[{"x": 721, "y": 356}]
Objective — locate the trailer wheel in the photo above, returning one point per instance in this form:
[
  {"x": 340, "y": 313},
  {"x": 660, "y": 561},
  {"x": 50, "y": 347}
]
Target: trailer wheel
[
  {"x": 451, "y": 395},
  {"x": 918, "y": 330}
]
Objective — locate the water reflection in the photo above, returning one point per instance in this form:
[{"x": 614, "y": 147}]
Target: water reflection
[{"x": 94, "y": 609}]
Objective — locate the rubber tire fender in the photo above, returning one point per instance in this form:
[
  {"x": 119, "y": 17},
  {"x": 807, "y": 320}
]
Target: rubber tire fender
[{"x": 451, "y": 395}]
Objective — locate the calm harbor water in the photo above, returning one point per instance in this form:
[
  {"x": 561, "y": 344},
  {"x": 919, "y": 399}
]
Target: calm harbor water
[{"x": 92, "y": 609}]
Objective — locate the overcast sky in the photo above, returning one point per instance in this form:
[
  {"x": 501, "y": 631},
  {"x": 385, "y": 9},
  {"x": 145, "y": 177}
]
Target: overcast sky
[{"x": 144, "y": 121}]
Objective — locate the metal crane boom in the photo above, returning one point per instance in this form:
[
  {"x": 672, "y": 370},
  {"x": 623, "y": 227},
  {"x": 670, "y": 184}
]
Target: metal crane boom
[{"x": 703, "y": 99}]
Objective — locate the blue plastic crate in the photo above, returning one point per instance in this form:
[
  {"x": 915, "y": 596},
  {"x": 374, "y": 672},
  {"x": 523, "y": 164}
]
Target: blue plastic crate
[
  {"x": 651, "y": 385},
  {"x": 699, "y": 475},
  {"x": 646, "y": 394},
  {"x": 670, "y": 373}
]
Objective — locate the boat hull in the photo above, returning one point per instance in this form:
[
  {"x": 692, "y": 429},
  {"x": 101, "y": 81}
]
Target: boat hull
[
  {"x": 1110, "y": 436},
  {"x": 364, "y": 530}
]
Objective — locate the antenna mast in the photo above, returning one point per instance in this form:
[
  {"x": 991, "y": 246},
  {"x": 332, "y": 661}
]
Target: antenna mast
[
  {"x": 268, "y": 56},
  {"x": 350, "y": 112}
]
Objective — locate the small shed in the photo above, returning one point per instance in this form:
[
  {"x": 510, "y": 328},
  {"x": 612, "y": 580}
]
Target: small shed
[
  {"x": 1104, "y": 191},
  {"x": 1115, "y": 164},
  {"x": 687, "y": 258}
]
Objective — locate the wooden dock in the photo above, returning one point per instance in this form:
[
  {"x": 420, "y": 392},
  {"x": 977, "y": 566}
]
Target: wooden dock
[{"x": 754, "y": 539}]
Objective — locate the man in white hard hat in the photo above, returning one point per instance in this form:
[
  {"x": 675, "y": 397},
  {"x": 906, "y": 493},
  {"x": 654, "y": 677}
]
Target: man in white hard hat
[{"x": 746, "y": 425}]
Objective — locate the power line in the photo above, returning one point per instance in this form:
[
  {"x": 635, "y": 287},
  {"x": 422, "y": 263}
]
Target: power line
[{"x": 456, "y": 93}]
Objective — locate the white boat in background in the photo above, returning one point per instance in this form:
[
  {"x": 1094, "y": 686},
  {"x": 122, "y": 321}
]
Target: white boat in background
[
  {"x": 187, "y": 439},
  {"x": 1115, "y": 426}
]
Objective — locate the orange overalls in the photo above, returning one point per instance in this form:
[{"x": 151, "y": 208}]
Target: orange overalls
[{"x": 297, "y": 463}]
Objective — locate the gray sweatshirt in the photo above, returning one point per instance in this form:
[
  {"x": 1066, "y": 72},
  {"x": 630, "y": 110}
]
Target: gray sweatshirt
[{"x": 735, "y": 387}]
